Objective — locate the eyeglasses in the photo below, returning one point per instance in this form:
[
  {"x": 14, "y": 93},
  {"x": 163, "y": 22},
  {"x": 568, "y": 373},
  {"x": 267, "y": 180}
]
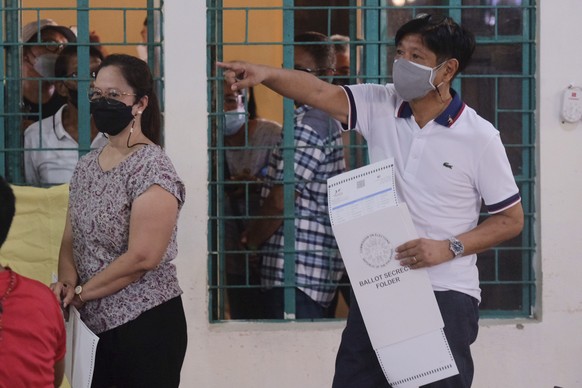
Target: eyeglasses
[
  {"x": 114, "y": 94},
  {"x": 314, "y": 71},
  {"x": 233, "y": 99},
  {"x": 74, "y": 74},
  {"x": 52, "y": 45},
  {"x": 437, "y": 20}
]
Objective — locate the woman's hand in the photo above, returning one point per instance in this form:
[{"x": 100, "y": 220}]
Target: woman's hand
[{"x": 64, "y": 293}]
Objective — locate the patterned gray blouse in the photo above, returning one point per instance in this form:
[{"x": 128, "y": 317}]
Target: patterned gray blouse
[{"x": 100, "y": 208}]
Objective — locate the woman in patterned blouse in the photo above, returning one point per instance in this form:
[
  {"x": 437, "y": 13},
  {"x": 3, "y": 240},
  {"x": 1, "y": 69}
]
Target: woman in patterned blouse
[{"x": 115, "y": 262}]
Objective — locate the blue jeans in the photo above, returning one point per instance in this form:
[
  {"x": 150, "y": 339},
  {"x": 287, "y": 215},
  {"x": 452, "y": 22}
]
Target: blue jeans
[
  {"x": 305, "y": 307},
  {"x": 357, "y": 365}
]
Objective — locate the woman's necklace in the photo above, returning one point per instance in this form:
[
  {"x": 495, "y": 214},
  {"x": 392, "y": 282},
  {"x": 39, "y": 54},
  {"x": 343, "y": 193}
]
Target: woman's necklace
[{"x": 11, "y": 284}]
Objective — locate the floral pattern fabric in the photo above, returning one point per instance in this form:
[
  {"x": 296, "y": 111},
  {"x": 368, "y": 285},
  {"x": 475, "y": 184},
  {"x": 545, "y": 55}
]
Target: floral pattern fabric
[{"x": 100, "y": 205}]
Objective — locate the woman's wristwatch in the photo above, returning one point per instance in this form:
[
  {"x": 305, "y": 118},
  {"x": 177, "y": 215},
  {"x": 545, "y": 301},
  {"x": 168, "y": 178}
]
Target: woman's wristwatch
[{"x": 79, "y": 291}]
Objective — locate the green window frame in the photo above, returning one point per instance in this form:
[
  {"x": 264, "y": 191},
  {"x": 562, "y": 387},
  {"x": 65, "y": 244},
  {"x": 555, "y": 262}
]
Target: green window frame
[
  {"x": 11, "y": 115},
  {"x": 499, "y": 85}
]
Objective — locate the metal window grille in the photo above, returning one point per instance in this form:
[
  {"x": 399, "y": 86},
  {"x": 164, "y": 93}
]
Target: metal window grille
[
  {"x": 499, "y": 84},
  {"x": 116, "y": 23}
]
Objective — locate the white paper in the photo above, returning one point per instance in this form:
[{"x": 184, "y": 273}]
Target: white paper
[
  {"x": 361, "y": 191},
  {"x": 408, "y": 364},
  {"x": 81, "y": 349},
  {"x": 397, "y": 304}
]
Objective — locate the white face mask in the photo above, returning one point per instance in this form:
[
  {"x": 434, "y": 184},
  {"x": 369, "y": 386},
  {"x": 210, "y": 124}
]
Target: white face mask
[
  {"x": 234, "y": 120},
  {"x": 45, "y": 64},
  {"x": 412, "y": 80}
]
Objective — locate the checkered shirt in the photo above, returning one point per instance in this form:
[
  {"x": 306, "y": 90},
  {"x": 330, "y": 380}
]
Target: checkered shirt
[{"x": 318, "y": 156}]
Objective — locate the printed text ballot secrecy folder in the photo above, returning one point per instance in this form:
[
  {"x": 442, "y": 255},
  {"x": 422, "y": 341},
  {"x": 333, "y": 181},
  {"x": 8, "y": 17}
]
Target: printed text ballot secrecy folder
[{"x": 397, "y": 303}]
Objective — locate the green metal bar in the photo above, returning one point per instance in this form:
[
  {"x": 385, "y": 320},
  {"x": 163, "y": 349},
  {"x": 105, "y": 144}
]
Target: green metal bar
[
  {"x": 372, "y": 25},
  {"x": 83, "y": 82},
  {"x": 383, "y": 59},
  {"x": 456, "y": 14},
  {"x": 530, "y": 15},
  {"x": 354, "y": 150},
  {"x": 353, "y": 34},
  {"x": 212, "y": 222},
  {"x": 220, "y": 164},
  {"x": 217, "y": 91},
  {"x": 13, "y": 88},
  {"x": 289, "y": 161},
  {"x": 2, "y": 101},
  {"x": 150, "y": 33},
  {"x": 528, "y": 135},
  {"x": 155, "y": 52}
]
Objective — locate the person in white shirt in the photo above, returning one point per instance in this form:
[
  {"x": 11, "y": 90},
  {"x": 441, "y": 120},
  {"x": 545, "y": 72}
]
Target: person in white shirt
[
  {"x": 448, "y": 160},
  {"x": 52, "y": 144}
]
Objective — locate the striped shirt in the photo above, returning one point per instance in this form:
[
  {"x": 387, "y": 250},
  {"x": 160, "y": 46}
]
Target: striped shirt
[{"x": 318, "y": 156}]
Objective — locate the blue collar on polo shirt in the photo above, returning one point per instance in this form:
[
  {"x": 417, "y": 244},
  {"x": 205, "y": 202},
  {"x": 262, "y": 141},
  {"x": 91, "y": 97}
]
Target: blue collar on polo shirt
[{"x": 447, "y": 118}]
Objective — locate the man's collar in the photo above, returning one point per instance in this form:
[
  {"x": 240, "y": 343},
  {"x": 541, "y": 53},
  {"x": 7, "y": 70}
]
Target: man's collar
[
  {"x": 447, "y": 118},
  {"x": 57, "y": 121}
]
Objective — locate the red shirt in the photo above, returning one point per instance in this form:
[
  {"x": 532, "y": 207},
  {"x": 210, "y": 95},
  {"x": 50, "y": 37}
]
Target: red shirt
[{"x": 32, "y": 337}]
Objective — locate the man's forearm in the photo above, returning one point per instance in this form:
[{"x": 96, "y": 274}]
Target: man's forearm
[
  {"x": 297, "y": 85},
  {"x": 305, "y": 88},
  {"x": 494, "y": 230}
]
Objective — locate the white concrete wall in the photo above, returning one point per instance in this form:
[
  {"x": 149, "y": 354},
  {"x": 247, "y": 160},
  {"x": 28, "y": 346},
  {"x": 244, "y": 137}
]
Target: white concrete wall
[{"x": 536, "y": 353}]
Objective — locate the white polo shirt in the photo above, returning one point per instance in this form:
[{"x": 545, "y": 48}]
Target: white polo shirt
[
  {"x": 443, "y": 171},
  {"x": 55, "y": 162}
]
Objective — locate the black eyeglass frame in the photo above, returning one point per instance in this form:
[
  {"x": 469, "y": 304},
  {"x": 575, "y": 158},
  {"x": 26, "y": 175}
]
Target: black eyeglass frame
[
  {"x": 437, "y": 20},
  {"x": 317, "y": 71},
  {"x": 92, "y": 75},
  {"x": 51, "y": 45}
]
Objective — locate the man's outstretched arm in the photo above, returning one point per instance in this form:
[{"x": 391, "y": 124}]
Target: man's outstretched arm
[{"x": 294, "y": 84}]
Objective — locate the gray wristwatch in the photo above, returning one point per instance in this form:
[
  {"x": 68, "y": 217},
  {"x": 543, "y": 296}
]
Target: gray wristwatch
[{"x": 456, "y": 247}]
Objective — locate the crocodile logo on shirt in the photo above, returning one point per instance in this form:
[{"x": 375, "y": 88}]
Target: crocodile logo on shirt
[{"x": 448, "y": 165}]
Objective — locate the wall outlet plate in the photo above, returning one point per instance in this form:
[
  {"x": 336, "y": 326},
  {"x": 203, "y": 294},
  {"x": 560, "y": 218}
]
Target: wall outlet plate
[{"x": 572, "y": 104}]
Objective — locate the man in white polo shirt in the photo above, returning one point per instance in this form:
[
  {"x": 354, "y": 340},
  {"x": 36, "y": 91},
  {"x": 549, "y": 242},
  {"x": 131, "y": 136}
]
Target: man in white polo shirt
[
  {"x": 51, "y": 146},
  {"x": 448, "y": 161}
]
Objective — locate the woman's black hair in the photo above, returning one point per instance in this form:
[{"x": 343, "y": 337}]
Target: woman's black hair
[
  {"x": 139, "y": 77},
  {"x": 251, "y": 104}
]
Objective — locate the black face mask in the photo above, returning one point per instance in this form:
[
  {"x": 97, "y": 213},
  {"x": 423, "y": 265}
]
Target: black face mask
[
  {"x": 111, "y": 116},
  {"x": 74, "y": 97}
]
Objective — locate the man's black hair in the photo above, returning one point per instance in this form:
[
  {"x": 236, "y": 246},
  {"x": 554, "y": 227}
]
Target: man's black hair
[
  {"x": 443, "y": 36},
  {"x": 7, "y": 209},
  {"x": 323, "y": 54},
  {"x": 69, "y": 52}
]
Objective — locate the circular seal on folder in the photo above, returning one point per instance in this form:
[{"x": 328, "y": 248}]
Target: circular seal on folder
[{"x": 376, "y": 250}]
